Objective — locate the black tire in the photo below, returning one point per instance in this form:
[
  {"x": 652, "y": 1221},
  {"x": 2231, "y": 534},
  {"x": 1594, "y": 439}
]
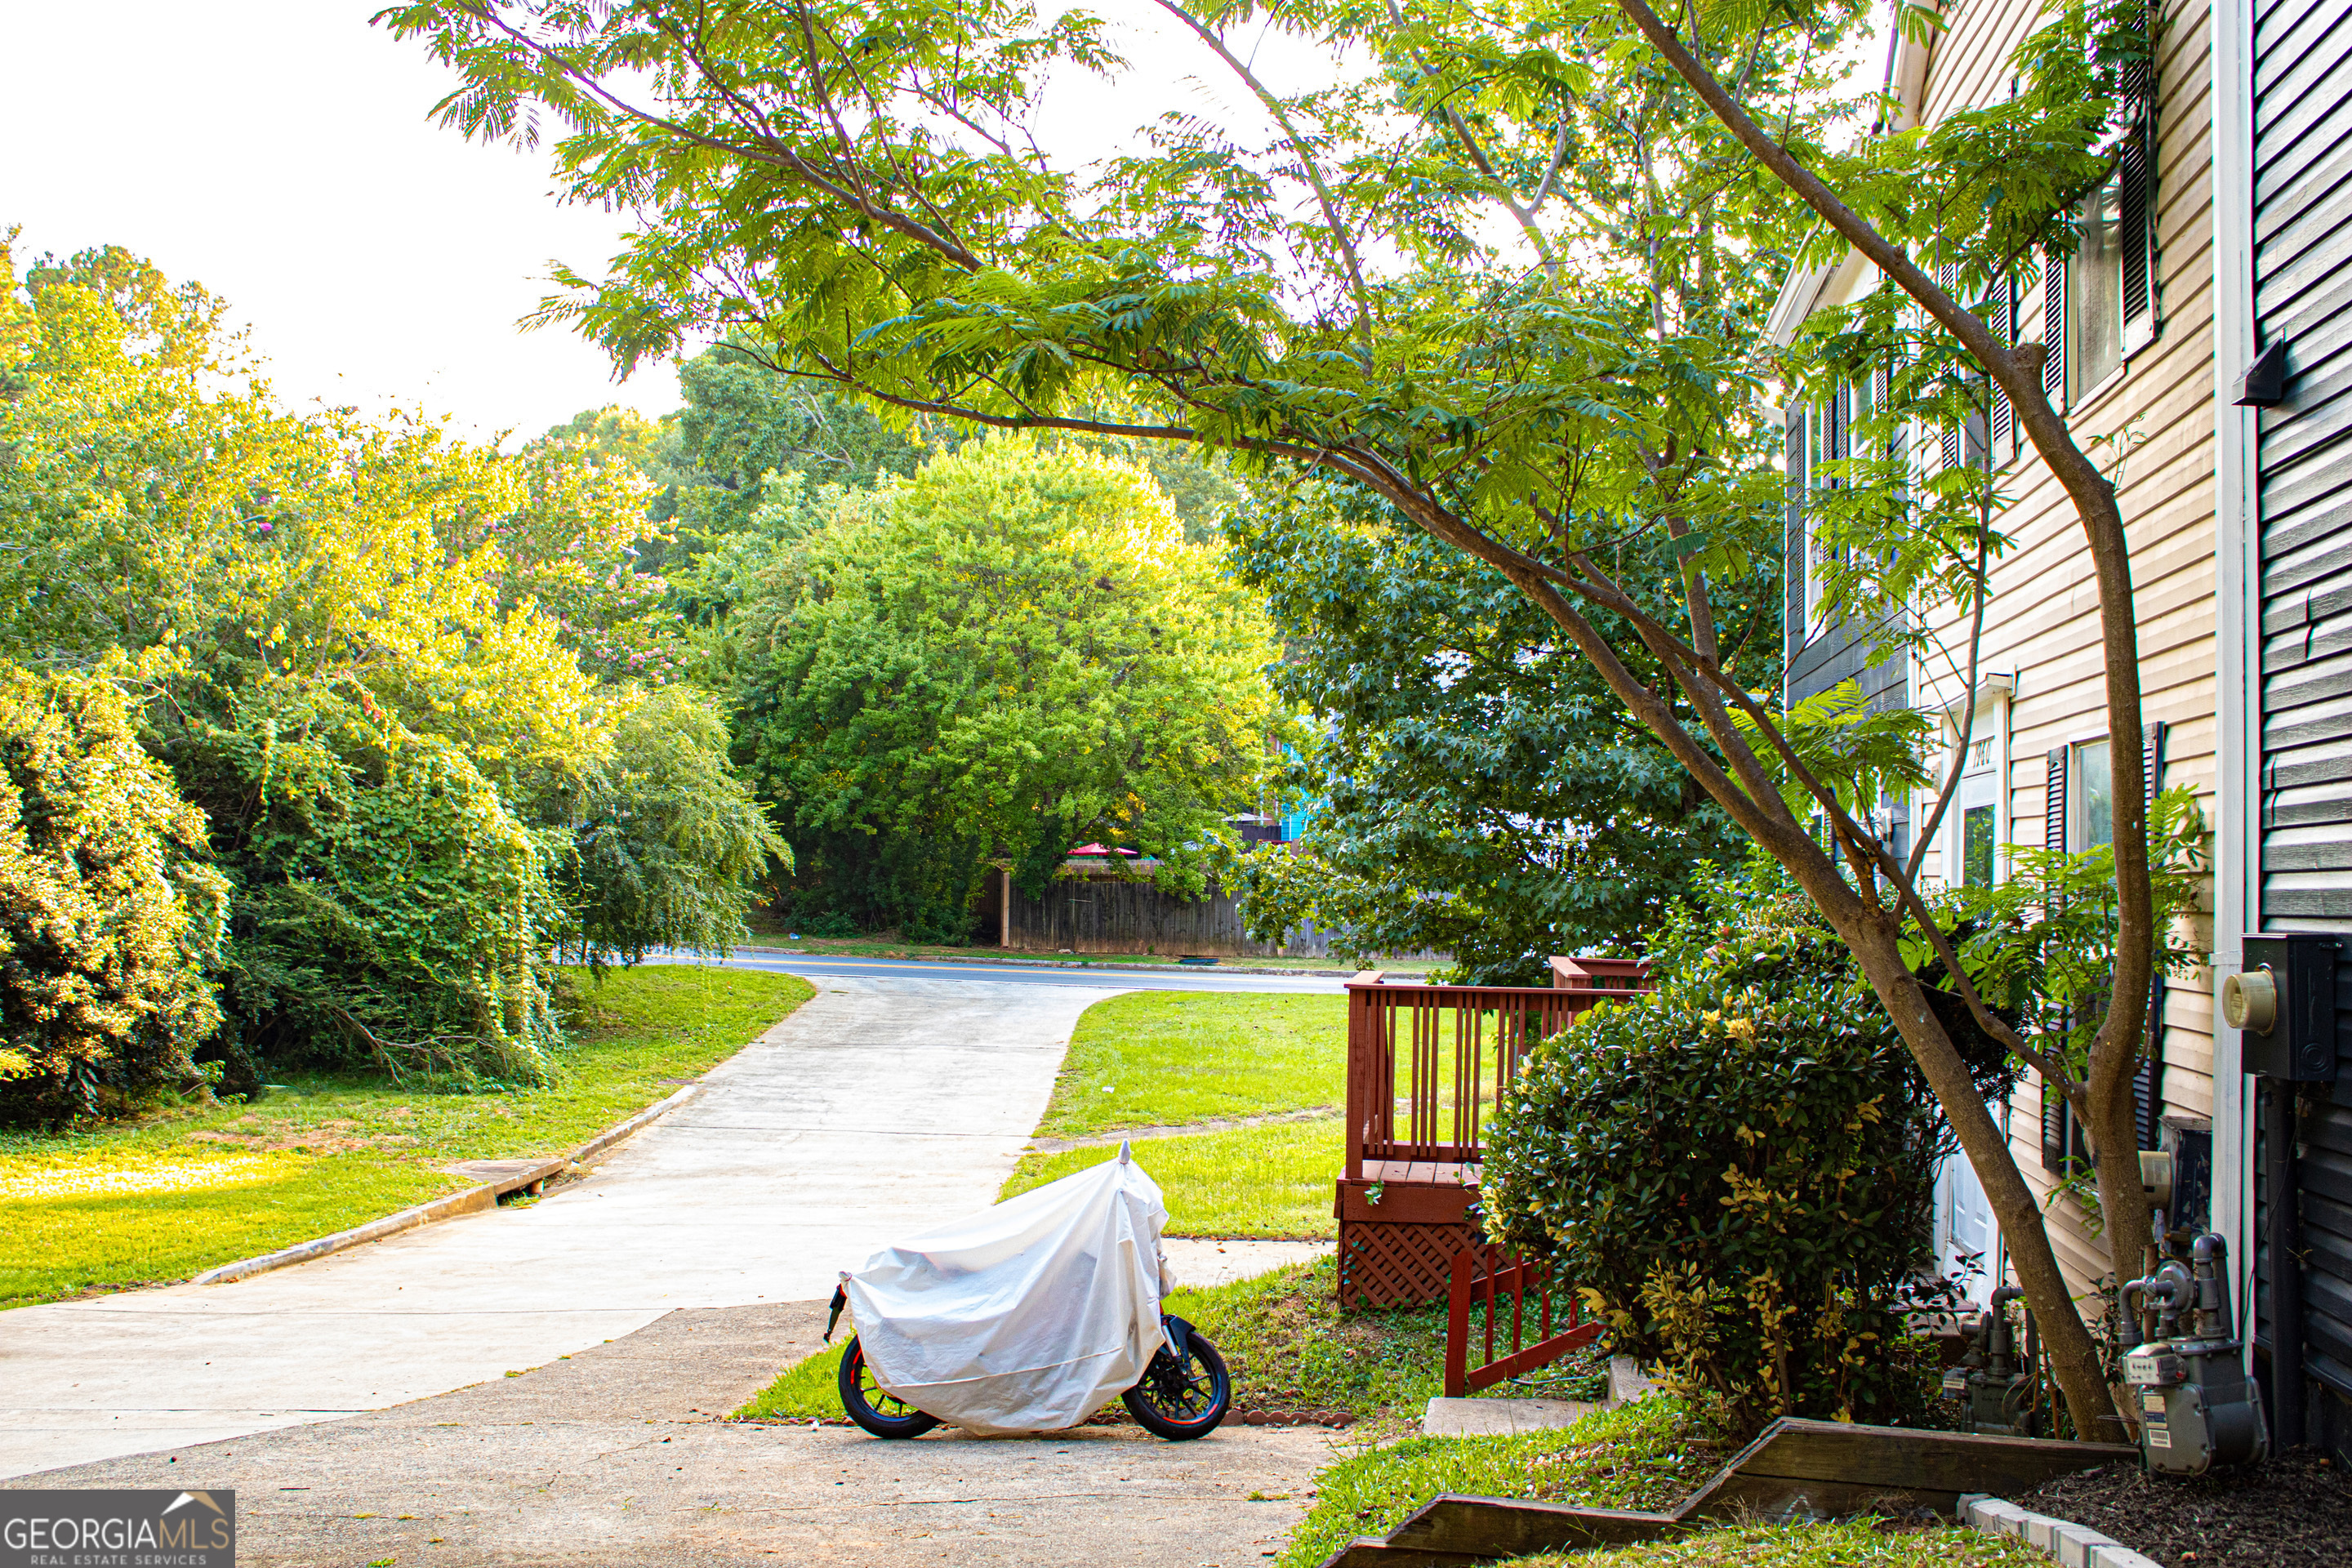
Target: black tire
[
  {"x": 1180, "y": 1403},
  {"x": 884, "y": 1414}
]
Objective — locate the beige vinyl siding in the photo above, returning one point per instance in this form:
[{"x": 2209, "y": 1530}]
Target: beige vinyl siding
[{"x": 2043, "y": 623}]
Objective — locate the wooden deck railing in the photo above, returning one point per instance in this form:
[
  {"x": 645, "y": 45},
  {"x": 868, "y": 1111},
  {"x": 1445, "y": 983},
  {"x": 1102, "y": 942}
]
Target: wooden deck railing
[
  {"x": 1528, "y": 1316},
  {"x": 1427, "y": 1062}
]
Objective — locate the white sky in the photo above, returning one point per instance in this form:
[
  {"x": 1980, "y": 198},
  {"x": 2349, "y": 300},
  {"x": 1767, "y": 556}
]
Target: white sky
[{"x": 279, "y": 153}]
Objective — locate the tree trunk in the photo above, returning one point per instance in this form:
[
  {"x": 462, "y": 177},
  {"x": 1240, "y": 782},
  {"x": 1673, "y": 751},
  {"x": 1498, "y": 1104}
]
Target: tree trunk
[
  {"x": 2074, "y": 1354},
  {"x": 1871, "y": 933}
]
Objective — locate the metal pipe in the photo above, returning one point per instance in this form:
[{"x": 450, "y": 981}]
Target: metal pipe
[{"x": 2211, "y": 1269}]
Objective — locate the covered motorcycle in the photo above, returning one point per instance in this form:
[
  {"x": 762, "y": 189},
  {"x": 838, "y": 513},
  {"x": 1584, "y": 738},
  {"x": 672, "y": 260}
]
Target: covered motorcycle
[{"x": 1029, "y": 1317}]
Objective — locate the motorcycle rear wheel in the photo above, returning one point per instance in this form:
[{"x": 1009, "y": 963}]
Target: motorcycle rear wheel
[
  {"x": 884, "y": 1414},
  {"x": 1182, "y": 1402}
]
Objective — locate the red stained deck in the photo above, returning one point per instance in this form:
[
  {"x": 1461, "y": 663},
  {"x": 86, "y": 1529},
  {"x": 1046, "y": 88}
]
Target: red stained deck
[{"x": 1425, "y": 1066}]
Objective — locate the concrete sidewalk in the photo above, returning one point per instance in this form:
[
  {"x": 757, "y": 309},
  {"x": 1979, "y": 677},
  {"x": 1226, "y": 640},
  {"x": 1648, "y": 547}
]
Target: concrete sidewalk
[
  {"x": 880, "y": 1107},
  {"x": 619, "y": 1457}
]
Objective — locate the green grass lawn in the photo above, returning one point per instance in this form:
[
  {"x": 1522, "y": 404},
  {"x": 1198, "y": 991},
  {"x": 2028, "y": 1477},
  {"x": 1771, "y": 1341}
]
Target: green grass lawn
[
  {"x": 1165, "y": 1058},
  {"x": 1269, "y": 1181},
  {"x": 177, "y": 1192}
]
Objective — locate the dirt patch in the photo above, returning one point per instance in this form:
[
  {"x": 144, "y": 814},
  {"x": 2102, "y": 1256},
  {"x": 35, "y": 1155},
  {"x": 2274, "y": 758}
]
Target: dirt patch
[
  {"x": 339, "y": 1136},
  {"x": 2297, "y": 1508}
]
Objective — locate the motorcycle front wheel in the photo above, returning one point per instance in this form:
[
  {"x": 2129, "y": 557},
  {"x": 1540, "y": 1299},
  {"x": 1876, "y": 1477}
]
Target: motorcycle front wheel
[
  {"x": 884, "y": 1414},
  {"x": 1182, "y": 1400}
]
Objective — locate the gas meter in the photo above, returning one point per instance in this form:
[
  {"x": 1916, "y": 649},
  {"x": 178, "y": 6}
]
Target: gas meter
[
  {"x": 1995, "y": 1394},
  {"x": 2195, "y": 1405}
]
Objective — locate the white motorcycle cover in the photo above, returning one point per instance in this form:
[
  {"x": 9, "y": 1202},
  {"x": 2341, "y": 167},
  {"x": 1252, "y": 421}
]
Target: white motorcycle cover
[{"x": 1027, "y": 1317}]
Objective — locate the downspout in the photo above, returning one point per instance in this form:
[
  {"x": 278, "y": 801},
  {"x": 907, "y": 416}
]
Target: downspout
[{"x": 2237, "y": 890}]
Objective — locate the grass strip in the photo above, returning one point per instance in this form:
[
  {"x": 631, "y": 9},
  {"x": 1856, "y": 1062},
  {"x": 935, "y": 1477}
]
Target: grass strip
[
  {"x": 809, "y": 1389},
  {"x": 1164, "y": 1058},
  {"x": 182, "y": 1190},
  {"x": 1854, "y": 1544},
  {"x": 1271, "y": 1181},
  {"x": 1639, "y": 1456}
]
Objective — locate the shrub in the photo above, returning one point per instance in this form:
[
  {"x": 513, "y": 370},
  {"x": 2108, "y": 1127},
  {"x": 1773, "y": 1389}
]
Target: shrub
[
  {"x": 1737, "y": 1171},
  {"x": 109, "y": 916},
  {"x": 390, "y": 907}
]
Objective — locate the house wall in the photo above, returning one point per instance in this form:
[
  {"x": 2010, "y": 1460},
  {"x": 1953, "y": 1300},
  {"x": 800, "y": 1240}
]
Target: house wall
[
  {"x": 2301, "y": 62},
  {"x": 2042, "y": 624}
]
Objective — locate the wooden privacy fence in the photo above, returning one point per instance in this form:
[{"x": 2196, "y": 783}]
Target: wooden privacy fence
[
  {"x": 1543, "y": 1323},
  {"x": 1426, "y": 1063}
]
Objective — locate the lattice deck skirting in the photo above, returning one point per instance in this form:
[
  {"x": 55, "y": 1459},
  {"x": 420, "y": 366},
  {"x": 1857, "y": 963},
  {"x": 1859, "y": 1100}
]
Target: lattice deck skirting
[{"x": 1397, "y": 1240}]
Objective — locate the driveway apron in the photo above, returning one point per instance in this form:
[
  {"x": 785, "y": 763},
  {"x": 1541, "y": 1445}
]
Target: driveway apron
[{"x": 880, "y": 1107}]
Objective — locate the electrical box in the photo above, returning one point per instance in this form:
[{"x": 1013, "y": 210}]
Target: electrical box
[{"x": 2284, "y": 1001}]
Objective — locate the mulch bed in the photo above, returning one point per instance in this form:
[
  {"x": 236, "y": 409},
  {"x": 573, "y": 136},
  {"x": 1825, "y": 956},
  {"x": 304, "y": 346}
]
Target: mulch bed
[{"x": 2297, "y": 1508}]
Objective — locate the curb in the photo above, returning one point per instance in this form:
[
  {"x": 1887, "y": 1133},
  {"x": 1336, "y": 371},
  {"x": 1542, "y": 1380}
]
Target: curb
[
  {"x": 2073, "y": 1545},
  {"x": 471, "y": 1201}
]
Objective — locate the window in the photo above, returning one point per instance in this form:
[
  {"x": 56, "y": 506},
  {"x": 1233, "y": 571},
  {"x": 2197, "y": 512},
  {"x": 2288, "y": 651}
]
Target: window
[
  {"x": 1829, "y": 438},
  {"x": 2094, "y": 798},
  {"x": 2095, "y": 279},
  {"x": 2100, "y": 303},
  {"x": 1976, "y": 847}
]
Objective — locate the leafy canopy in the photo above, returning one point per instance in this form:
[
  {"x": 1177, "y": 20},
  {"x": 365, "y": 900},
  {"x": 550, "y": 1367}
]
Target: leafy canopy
[
  {"x": 1013, "y": 654},
  {"x": 1474, "y": 788}
]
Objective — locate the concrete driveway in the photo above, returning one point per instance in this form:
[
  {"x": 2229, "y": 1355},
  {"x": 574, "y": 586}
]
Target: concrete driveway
[
  {"x": 880, "y": 1107},
  {"x": 617, "y": 1458}
]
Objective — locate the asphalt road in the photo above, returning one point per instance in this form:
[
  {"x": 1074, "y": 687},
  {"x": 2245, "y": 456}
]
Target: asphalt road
[{"x": 1108, "y": 976}]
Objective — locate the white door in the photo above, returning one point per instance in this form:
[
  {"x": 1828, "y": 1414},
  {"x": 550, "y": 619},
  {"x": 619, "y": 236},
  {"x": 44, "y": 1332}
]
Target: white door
[{"x": 1967, "y": 1238}]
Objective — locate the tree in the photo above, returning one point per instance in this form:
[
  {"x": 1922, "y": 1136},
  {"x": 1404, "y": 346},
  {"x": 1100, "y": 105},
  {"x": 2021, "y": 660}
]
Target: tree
[
  {"x": 1367, "y": 286},
  {"x": 667, "y": 842},
  {"x": 335, "y": 634},
  {"x": 109, "y": 917},
  {"x": 1477, "y": 791},
  {"x": 1013, "y": 654}
]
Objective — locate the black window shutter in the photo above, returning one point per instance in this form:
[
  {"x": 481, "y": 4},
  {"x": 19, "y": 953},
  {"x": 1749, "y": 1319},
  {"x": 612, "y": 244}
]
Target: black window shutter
[
  {"x": 2003, "y": 426},
  {"x": 2054, "y": 1118},
  {"x": 1796, "y": 551},
  {"x": 2053, "y": 803},
  {"x": 2053, "y": 328},
  {"x": 2146, "y": 1102},
  {"x": 2055, "y": 1113},
  {"x": 1946, "y": 278},
  {"x": 2136, "y": 222},
  {"x": 2148, "y": 1105}
]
